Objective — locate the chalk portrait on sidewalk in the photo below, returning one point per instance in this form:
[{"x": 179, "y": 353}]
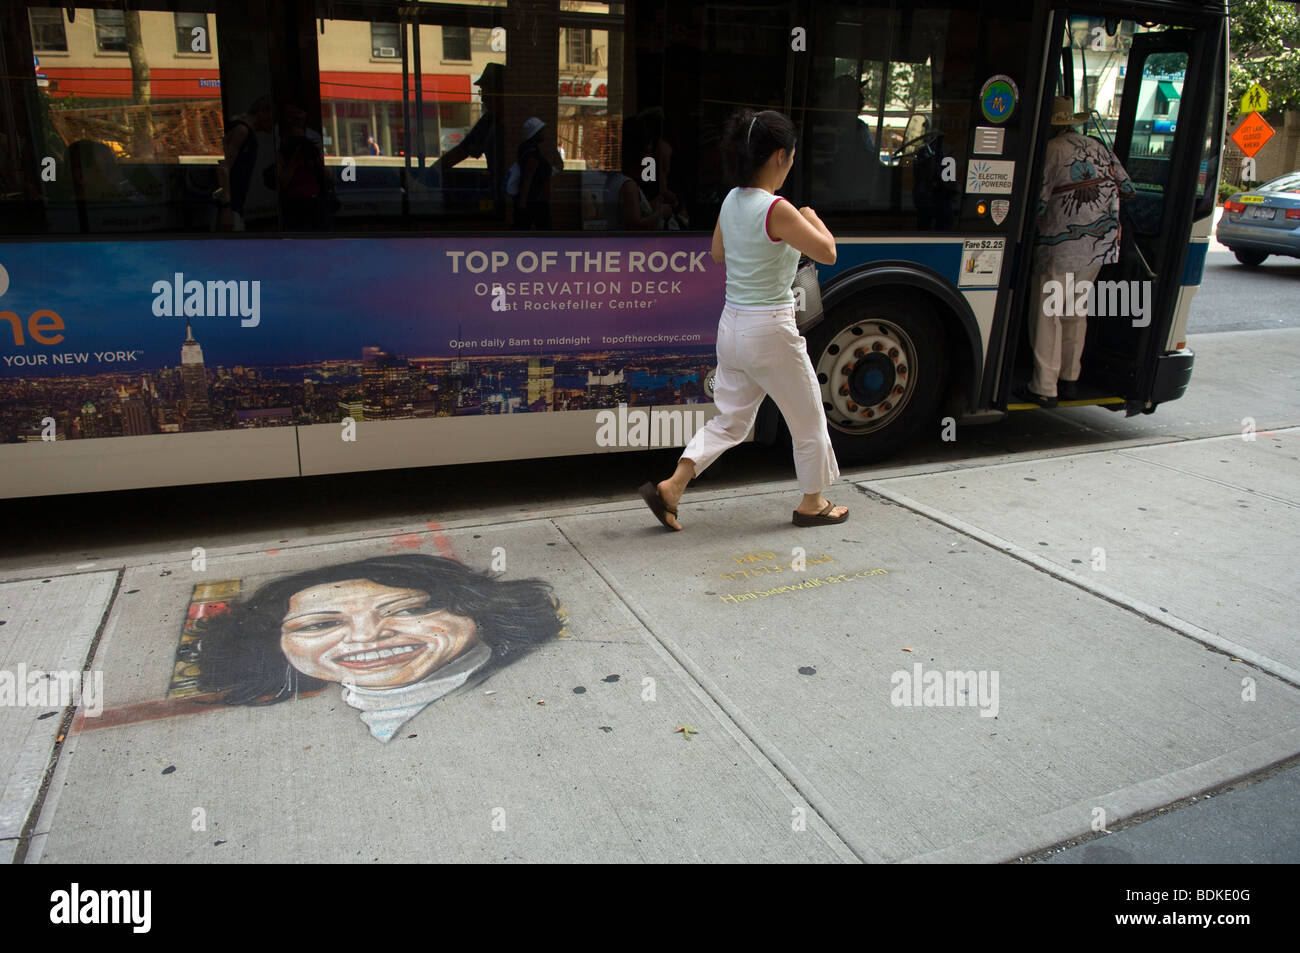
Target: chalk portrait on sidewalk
[{"x": 397, "y": 632}]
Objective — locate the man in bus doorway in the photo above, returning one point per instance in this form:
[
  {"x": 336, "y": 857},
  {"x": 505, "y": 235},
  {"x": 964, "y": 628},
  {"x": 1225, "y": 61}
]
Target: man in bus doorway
[{"x": 1078, "y": 232}]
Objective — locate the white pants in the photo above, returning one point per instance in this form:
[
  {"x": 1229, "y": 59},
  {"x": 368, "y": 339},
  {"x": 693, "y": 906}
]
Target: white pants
[
  {"x": 760, "y": 351},
  {"x": 1057, "y": 339}
]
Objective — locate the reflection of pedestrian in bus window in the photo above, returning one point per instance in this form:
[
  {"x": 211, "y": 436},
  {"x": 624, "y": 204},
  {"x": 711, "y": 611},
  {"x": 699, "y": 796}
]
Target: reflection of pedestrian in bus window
[
  {"x": 659, "y": 187},
  {"x": 760, "y": 351},
  {"x": 626, "y": 204},
  {"x": 95, "y": 176},
  {"x": 305, "y": 186},
  {"x": 533, "y": 197},
  {"x": 235, "y": 171},
  {"x": 398, "y": 632},
  {"x": 373, "y": 147},
  {"x": 661, "y": 150},
  {"x": 935, "y": 198},
  {"x": 487, "y": 138},
  {"x": 1078, "y": 232},
  {"x": 846, "y": 163}
]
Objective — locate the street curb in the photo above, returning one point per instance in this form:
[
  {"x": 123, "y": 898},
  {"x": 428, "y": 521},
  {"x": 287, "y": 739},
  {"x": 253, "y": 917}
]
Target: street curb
[{"x": 1036, "y": 834}]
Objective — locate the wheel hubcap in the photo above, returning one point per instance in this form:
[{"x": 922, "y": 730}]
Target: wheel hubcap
[{"x": 865, "y": 373}]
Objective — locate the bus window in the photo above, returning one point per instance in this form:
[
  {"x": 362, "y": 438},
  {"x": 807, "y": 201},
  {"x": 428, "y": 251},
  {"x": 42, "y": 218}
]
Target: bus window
[
  {"x": 889, "y": 106},
  {"x": 118, "y": 127},
  {"x": 1102, "y": 53},
  {"x": 1208, "y": 173},
  {"x": 413, "y": 117},
  {"x": 698, "y": 63},
  {"x": 483, "y": 133}
]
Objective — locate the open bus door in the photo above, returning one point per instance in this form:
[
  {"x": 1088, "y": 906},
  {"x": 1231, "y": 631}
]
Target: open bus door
[
  {"x": 1161, "y": 81},
  {"x": 1158, "y": 141}
]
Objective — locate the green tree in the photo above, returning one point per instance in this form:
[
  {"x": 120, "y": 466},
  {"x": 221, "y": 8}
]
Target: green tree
[{"x": 1264, "y": 44}]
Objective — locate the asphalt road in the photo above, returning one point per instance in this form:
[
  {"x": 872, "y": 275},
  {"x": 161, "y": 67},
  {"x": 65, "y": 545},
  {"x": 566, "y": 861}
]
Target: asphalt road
[{"x": 1236, "y": 298}]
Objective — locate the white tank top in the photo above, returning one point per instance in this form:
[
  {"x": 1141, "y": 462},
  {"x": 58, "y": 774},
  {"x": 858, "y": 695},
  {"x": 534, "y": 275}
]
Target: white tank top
[{"x": 760, "y": 269}]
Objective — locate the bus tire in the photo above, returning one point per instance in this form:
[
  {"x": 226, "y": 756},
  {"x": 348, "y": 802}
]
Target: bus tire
[
  {"x": 881, "y": 359},
  {"x": 1251, "y": 259}
]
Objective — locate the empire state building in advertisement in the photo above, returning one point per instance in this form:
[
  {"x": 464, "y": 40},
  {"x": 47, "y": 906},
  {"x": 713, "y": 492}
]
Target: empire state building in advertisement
[{"x": 194, "y": 379}]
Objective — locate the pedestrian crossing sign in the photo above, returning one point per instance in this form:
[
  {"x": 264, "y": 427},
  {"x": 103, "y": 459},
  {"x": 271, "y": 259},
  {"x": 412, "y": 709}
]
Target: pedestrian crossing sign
[{"x": 1255, "y": 100}]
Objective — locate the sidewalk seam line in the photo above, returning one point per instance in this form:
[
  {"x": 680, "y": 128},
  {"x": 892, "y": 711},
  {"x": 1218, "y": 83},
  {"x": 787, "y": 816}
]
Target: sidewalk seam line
[
  {"x": 65, "y": 726},
  {"x": 774, "y": 758},
  {"x": 1209, "y": 479},
  {"x": 1188, "y": 630}
]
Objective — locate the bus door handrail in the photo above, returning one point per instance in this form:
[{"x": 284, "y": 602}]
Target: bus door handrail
[{"x": 1094, "y": 118}]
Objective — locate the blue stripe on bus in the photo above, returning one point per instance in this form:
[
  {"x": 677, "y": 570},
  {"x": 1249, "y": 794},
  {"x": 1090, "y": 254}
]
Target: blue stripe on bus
[
  {"x": 1194, "y": 268},
  {"x": 943, "y": 257}
]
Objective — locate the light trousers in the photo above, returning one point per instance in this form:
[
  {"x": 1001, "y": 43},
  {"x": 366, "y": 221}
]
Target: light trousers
[
  {"x": 1057, "y": 339},
  {"x": 761, "y": 352}
]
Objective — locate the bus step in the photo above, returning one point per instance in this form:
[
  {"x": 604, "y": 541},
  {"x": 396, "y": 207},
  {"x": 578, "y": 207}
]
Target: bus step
[{"x": 1083, "y": 402}]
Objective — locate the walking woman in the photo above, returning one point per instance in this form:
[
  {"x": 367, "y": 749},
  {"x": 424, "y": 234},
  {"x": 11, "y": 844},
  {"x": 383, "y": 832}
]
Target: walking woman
[{"x": 760, "y": 351}]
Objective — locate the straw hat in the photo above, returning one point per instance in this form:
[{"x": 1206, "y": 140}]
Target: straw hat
[{"x": 1063, "y": 112}]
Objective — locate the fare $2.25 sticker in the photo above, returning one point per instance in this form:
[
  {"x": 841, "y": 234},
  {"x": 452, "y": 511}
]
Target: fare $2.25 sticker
[{"x": 981, "y": 262}]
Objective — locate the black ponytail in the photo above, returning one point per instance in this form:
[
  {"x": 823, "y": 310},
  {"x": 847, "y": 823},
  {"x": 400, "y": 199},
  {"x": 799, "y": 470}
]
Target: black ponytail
[{"x": 750, "y": 138}]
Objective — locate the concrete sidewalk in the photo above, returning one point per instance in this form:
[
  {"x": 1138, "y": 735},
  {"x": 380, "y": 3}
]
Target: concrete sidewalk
[{"x": 1124, "y": 614}]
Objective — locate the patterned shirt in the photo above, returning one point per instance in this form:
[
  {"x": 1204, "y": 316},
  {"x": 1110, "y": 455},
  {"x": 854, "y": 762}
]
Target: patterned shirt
[{"x": 1078, "y": 210}]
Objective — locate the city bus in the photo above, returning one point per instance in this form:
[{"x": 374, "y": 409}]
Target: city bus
[{"x": 244, "y": 239}]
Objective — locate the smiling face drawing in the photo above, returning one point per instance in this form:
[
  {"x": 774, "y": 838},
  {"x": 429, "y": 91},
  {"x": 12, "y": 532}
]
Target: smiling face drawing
[{"x": 371, "y": 635}]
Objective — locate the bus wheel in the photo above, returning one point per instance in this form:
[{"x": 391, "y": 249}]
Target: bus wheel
[
  {"x": 1251, "y": 259},
  {"x": 882, "y": 363}
]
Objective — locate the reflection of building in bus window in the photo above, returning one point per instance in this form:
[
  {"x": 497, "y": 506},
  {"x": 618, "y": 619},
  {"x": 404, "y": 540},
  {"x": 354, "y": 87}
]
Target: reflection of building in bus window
[{"x": 397, "y": 632}]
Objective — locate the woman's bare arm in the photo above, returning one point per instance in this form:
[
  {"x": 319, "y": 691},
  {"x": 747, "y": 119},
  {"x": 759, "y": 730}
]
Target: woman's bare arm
[{"x": 804, "y": 230}]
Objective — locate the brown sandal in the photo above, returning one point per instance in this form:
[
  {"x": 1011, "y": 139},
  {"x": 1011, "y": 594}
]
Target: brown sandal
[
  {"x": 818, "y": 519},
  {"x": 650, "y": 493}
]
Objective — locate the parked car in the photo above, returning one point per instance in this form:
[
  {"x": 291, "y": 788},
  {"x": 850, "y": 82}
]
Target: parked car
[{"x": 1264, "y": 221}]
